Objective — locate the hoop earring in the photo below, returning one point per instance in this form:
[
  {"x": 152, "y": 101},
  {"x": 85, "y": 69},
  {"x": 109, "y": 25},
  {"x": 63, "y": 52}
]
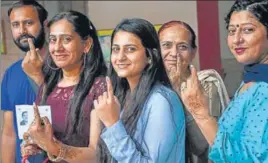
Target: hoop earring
[
  {"x": 85, "y": 58},
  {"x": 52, "y": 68}
]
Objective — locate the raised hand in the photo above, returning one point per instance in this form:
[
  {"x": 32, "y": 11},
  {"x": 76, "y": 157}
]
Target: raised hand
[
  {"x": 194, "y": 98},
  {"x": 40, "y": 131},
  {"x": 32, "y": 62},
  {"x": 176, "y": 74},
  {"x": 107, "y": 106}
]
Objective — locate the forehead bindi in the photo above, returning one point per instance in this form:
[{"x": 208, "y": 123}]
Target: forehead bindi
[{"x": 243, "y": 18}]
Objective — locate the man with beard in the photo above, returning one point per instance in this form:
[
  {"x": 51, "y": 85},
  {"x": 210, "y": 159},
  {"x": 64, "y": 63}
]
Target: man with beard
[{"x": 27, "y": 20}]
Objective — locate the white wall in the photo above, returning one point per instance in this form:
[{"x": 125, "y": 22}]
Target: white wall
[
  {"x": 107, "y": 14},
  {"x": 224, "y": 7}
]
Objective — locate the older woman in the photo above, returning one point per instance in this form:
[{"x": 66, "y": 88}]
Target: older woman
[
  {"x": 241, "y": 134},
  {"x": 177, "y": 40},
  {"x": 72, "y": 80}
]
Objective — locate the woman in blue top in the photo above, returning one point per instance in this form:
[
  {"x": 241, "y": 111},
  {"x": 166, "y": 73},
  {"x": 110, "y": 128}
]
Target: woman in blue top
[
  {"x": 241, "y": 135},
  {"x": 143, "y": 117}
]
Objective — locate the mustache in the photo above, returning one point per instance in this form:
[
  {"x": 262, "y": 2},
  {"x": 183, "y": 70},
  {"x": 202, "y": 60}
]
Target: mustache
[{"x": 25, "y": 36}]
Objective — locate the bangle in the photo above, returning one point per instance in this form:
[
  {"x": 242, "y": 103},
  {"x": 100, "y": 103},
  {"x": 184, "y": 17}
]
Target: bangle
[{"x": 62, "y": 153}]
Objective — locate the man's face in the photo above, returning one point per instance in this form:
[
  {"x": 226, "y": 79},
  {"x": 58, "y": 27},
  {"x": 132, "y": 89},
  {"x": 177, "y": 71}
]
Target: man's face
[
  {"x": 25, "y": 116},
  {"x": 25, "y": 24}
]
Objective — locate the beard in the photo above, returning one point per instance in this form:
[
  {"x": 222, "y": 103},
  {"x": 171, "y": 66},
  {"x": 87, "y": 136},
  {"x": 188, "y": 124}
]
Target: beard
[{"x": 38, "y": 41}]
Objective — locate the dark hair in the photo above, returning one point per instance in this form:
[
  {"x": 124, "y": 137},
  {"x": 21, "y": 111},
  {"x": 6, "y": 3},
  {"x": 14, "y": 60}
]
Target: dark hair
[
  {"x": 258, "y": 8},
  {"x": 93, "y": 66},
  {"x": 152, "y": 74},
  {"x": 187, "y": 26},
  {"x": 23, "y": 113},
  {"x": 42, "y": 12}
]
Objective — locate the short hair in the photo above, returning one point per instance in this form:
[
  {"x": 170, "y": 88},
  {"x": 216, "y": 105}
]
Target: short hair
[
  {"x": 178, "y": 22},
  {"x": 42, "y": 12},
  {"x": 23, "y": 113}
]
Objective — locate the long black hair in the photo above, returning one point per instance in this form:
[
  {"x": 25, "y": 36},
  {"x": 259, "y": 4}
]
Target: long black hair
[
  {"x": 93, "y": 66},
  {"x": 259, "y": 8},
  {"x": 152, "y": 74}
]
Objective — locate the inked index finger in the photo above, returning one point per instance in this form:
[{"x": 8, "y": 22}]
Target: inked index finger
[
  {"x": 37, "y": 116},
  {"x": 110, "y": 89},
  {"x": 31, "y": 44},
  {"x": 194, "y": 76}
]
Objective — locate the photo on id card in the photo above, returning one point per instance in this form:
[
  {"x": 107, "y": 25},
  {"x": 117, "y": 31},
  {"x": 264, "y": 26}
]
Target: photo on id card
[{"x": 25, "y": 116}]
